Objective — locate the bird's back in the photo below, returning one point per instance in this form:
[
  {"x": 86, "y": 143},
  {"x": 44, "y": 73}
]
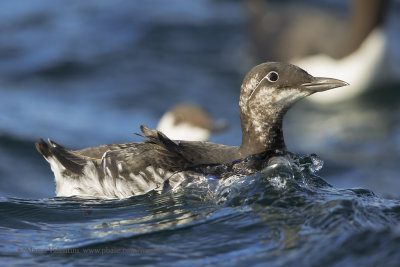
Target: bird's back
[{"x": 123, "y": 170}]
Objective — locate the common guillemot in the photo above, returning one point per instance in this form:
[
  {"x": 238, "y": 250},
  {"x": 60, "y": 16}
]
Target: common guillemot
[
  {"x": 125, "y": 170},
  {"x": 353, "y": 48},
  {"x": 189, "y": 121}
]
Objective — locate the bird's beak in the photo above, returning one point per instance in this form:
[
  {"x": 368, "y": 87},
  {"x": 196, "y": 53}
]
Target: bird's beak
[{"x": 320, "y": 84}]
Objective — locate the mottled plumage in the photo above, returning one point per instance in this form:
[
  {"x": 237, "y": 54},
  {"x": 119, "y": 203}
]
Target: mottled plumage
[{"x": 124, "y": 170}]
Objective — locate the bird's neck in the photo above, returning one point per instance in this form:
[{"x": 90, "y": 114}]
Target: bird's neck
[{"x": 262, "y": 133}]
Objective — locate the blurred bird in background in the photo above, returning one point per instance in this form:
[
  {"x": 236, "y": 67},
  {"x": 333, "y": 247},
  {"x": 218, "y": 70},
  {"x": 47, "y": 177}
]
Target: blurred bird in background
[
  {"x": 352, "y": 47},
  {"x": 189, "y": 121}
]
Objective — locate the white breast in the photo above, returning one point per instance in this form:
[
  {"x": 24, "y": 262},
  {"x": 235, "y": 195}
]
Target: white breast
[
  {"x": 360, "y": 69},
  {"x": 182, "y": 131}
]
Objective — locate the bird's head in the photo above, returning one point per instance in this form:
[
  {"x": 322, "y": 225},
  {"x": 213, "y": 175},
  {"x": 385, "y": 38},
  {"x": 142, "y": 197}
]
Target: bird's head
[
  {"x": 267, "y": 92},
  {"x": 279, "y": 85}
]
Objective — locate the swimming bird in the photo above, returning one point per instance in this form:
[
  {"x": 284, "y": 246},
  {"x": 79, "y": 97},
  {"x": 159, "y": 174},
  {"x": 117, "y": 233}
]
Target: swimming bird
[
  {"x": 353, "y": 48},
  {"x": 189, "y": 121},
  {"x": 125, "y": 170}
]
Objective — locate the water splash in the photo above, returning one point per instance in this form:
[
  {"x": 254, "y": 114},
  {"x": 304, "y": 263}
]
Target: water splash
[
  {"x": 281, "y": 174},
  {"x": 283, "y": 209}
]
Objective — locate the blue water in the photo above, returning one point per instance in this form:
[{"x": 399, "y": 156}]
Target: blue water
[{"x": 85, "y": 73}]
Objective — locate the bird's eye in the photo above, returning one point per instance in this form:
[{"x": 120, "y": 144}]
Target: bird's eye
[{"x": 272, "y": 76}]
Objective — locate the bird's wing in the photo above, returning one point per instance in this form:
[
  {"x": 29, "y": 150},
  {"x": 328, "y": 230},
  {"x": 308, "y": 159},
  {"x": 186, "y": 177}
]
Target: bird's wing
[
  {"x": 122, "y": 160},
  {"x": 192, "y": 152}
]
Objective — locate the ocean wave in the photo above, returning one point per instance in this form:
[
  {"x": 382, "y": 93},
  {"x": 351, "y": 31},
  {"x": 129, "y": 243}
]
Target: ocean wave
[{"x": 284, "y": 209}]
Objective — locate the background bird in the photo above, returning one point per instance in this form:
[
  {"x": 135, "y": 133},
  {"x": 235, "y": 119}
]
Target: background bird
[
  {"x": 189, "y": 121},
  {"x": 352, "y": 47}
]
